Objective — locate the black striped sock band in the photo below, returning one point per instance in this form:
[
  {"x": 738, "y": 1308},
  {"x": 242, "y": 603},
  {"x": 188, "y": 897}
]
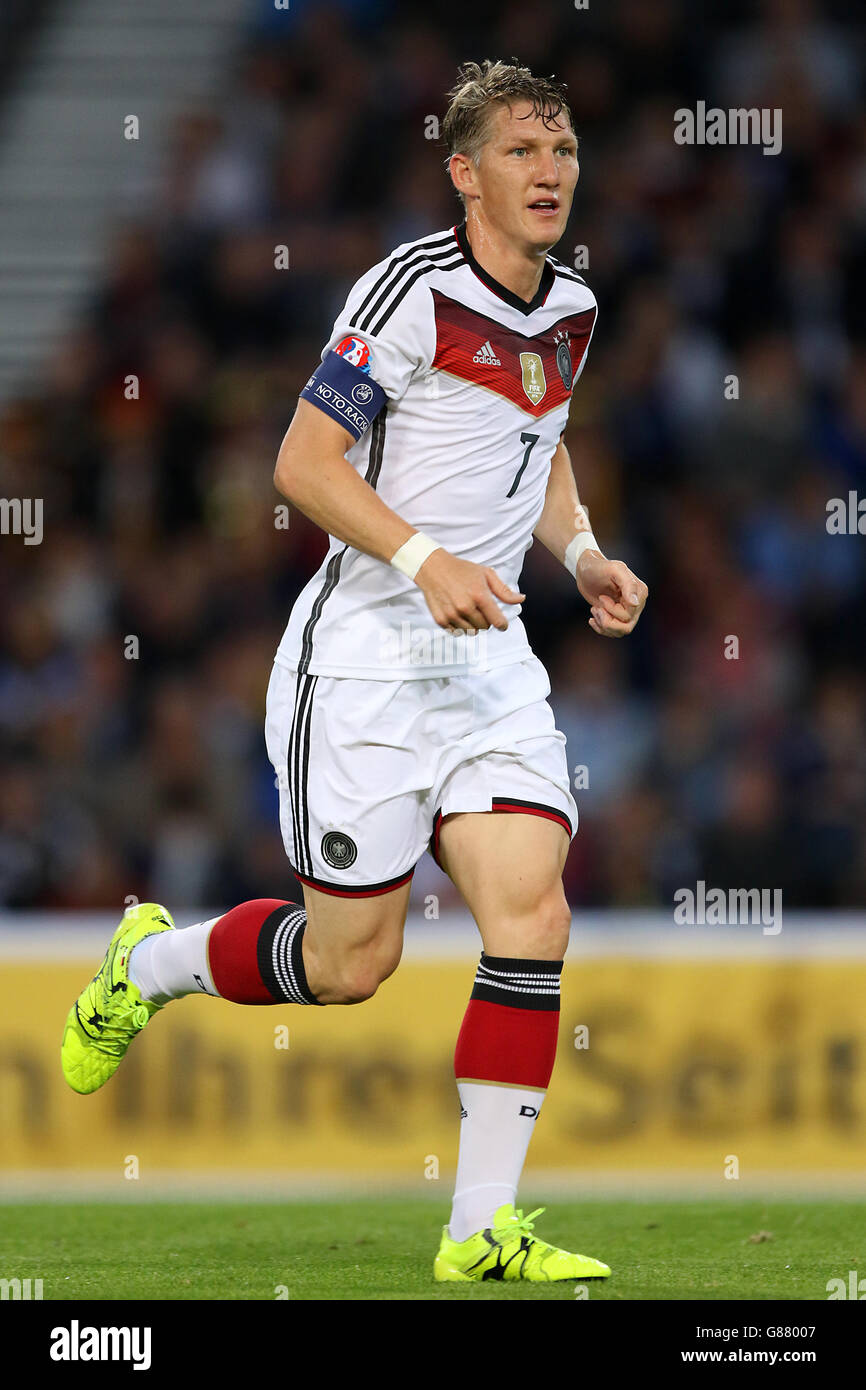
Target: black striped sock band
[
  {"x": 280, "y": 957},
  {"x": 522, "y": 984}
]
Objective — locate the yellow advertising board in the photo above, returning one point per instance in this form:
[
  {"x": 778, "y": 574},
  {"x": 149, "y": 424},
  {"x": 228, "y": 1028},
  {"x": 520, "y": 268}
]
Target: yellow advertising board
[{"x": 662, "y": 1065}]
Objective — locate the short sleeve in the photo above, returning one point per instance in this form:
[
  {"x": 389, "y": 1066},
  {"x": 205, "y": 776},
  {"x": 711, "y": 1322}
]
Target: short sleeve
[
  {"x": 383, "y": 337},
  {"x": 585, "y": 354}
]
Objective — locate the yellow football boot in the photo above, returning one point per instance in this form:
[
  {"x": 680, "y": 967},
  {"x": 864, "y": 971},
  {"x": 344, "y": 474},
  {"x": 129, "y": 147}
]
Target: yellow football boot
[
  {"x": 108, "y": 1014},
  {"x": 509, "y": 1250}
]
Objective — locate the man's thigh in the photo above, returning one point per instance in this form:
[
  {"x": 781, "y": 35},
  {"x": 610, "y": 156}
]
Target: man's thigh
[{"x": 507, "y": 867}]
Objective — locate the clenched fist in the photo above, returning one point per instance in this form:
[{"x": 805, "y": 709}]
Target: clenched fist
[{"x": 615, "y": 595}]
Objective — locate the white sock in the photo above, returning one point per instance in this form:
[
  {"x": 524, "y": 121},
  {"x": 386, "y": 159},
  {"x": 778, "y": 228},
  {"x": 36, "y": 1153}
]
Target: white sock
[
  {"x": 171, "y": 964},
  {"x": 494, "y": 1138}
]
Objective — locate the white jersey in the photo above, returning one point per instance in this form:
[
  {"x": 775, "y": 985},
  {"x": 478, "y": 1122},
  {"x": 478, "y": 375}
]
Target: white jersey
[{"x": 457, "y": 392}]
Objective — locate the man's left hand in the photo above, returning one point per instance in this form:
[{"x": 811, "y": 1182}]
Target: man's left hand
[{"x": 615, "y": 595}]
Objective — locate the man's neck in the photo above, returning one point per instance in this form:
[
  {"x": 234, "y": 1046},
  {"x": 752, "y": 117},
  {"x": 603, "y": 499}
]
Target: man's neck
[{"x": 501, "y": 259}]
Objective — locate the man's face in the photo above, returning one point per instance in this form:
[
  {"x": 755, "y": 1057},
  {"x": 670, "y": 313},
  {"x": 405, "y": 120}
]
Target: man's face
[{"x": 526, "y": 176}]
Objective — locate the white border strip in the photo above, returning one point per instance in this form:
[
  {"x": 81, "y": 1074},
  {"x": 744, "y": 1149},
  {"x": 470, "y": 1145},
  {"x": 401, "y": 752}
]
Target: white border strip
[
  {"x": 63, "y": 1185},
  {"x": 83, "y": 937}
]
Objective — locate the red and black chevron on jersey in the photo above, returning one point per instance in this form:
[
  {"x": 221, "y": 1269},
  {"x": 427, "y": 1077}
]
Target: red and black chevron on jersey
[{"x": 534, "y": 373}]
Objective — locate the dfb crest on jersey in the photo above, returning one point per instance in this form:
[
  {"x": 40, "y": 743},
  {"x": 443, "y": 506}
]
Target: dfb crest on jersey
[
  {"x": 355, "y": 351},
  {"x": 534, "y": 383},
  {"x": 338, "y": 850},
  {"x": 563, "y": 359}
]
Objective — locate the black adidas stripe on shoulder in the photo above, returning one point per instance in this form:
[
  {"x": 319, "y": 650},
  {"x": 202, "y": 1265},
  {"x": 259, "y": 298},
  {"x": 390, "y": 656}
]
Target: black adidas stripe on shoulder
[
  {"x": 406, "y": 287},
  {"x": 565, "y": 272},
  {"x": 400, "y": 284},
  {"x": 437, "y": 255},
  {"x": 435, "y": 243}
]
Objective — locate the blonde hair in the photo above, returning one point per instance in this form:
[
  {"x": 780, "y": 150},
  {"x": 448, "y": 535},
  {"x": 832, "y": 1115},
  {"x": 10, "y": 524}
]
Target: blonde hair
[{"x": 481, "y": 89}]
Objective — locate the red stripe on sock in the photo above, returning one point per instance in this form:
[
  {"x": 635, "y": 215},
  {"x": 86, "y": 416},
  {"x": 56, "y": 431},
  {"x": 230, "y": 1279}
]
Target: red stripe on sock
[
  {"x": 232, "y": 952},
  {"x": 514, "y": 1046}
]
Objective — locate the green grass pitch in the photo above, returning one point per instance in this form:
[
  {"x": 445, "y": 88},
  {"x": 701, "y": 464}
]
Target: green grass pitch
[{"x": 375, "y": 1248}]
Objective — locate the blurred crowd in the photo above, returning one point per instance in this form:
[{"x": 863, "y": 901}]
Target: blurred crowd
[{"x": 723, "y": 405}]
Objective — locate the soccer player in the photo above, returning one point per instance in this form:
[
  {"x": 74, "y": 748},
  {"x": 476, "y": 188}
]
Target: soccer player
[{"x": 406, "y": 709}]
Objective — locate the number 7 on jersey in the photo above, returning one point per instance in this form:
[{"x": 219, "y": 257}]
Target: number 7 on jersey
[{"x": 530, "y": 440}]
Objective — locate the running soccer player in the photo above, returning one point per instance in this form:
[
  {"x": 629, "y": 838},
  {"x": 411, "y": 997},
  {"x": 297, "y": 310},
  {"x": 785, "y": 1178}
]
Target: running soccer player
[{"x": 406, "y": 709}]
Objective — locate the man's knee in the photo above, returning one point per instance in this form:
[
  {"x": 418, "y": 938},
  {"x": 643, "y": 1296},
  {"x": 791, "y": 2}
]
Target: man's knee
[
  {"x": 357, "y": 974},
  {"x": 550, "y": 927},
  {"x": 350, "y": 948},
  {"x": 540, "y": 933}
]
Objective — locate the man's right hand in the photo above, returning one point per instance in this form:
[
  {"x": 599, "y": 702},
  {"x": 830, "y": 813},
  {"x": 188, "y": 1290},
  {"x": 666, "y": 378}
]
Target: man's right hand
[{"x": 461, "y": 594}]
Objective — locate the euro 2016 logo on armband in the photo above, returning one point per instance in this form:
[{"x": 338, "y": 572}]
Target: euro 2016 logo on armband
[
  {"x": 339, "y": 850},
  {"x": 355, "y": 351}
]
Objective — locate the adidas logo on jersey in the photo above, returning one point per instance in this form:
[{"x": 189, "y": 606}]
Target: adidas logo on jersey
[{"x": 487, "y": 356}]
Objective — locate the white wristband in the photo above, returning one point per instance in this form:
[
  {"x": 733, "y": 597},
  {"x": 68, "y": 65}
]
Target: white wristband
[
  {"x": 412, "y": 554},
  {"x": 584, "y": 540}
]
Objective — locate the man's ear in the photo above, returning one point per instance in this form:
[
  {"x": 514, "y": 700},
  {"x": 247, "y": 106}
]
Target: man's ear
[{"x": 462, "y": 172}]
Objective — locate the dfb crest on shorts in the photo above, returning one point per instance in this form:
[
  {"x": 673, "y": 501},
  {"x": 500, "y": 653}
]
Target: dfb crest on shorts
[
  {"x": 339, "y": 850},
  {"x": 563, "y": 360}
]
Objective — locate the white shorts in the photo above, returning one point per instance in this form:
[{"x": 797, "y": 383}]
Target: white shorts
[{"x": 367, "y": 770}]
